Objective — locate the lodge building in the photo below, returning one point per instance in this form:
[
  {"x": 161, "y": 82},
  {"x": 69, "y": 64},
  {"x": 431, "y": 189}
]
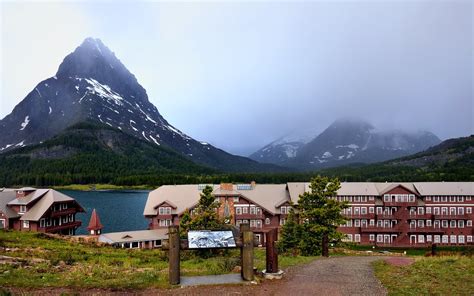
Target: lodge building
[
  {"x": 42, "y": 210},
  {"x": 382, "y": 214}
]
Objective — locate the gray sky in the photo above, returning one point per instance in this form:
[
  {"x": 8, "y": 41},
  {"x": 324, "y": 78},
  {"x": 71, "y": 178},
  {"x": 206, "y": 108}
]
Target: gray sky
[{"x": 241, "y": 74}]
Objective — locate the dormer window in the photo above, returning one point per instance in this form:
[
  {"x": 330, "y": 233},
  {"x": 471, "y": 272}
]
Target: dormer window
[{"x": 22, "y": 209}]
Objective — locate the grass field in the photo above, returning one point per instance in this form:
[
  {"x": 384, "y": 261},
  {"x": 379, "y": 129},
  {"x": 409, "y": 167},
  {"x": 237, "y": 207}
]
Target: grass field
[
  {"x": 36, "y": 260},
  {"x": 447, "y": 275}
]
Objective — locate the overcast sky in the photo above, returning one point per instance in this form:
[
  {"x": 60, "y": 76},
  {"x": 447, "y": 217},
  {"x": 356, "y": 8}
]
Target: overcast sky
[{"x": 241, "y": 74}]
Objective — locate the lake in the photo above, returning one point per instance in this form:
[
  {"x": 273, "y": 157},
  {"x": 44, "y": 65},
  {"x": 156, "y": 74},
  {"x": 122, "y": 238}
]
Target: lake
[{"x": 118, "y": 210}]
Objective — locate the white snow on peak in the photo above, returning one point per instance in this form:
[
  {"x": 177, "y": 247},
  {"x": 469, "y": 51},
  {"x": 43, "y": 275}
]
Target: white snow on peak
[
  {"x": 38, "y": 92},
  {"x": 290, "y": 150},
  {"x": 177, "y": 132},
  {"x": 108, "y": 123},
  {"x": 55, "y": 78},
  {"x": 21, "y": 144},
  {"x": 6, "y": 147},
  {"x": 327, "y": 154},
  {"x": 104, "y": 91},
  {"x": 143, "y": 134},
  {"x": 50, "y": 110},
  {"x": 351, "y": 146},
  {"x": 204, "y": 143},
  {"x": 301, "y": 136},
  {"x": 341, "y": 157},
  {"x": 146, "y": 115},
  {"x": 46, "y": 85},
  {"x": 135, "y": 129},
  {"x": 25, "y": 123},
  {"x": 154, "y": 140},
  {"x": 77, "y": 87}
]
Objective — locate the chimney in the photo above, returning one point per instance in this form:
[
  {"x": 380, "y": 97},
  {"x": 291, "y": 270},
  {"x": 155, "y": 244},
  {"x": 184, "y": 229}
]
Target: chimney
[{"x": 227, "y": 186}]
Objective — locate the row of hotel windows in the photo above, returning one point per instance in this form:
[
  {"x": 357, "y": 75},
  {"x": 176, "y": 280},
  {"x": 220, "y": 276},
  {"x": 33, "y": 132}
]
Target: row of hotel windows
[
  {"x": 47, "y": 222},
  {"x": 446, "y": 198},
  {"x": 164, "y": 222},
  {"x": 413, "y": 210},
  {"x": 53, "y": 208},
  {"x": 357, "y": 198},
  {"x": 420, "y": 223},
  {"x": 445, "y": 239},
  {"x": 253, "y": 223},
  {"x": 399, "y": 198},
  {"x": 164, "y": 210},
  {"x": 244, "y": 209}
]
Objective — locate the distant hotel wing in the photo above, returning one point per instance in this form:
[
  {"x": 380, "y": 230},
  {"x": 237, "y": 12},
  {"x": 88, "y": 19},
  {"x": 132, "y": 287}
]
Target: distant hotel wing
[{"x": 203, "y": 239}]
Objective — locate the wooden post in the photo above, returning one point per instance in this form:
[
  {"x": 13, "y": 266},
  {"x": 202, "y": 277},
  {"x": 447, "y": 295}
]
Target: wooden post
[
  {"x": 271, "y": 251},
  {"x": 247, "y": 256},
  {"x": 243, "y": 227},
  {"x": 173, "y": 253},
  {"x": 325, "y": 245}
]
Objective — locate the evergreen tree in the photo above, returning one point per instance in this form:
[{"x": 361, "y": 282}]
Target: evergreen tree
[
  {"x": 204, "y": 216},
  {"x": 318, "y": 216},
  {"x": 290, "y": 234}
]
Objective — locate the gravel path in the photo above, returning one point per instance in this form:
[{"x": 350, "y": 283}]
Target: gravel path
[{"x": 345, "y": 275}]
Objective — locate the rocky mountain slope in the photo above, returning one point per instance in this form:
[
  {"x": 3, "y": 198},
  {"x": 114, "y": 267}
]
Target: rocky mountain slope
[
  {"x": 92, "y": 84},
  {"x": 347, "y": 141}
]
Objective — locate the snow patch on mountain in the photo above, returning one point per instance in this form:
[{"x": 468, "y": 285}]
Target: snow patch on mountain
[
  {"x": 104, "y": 91},
  {"x": 25, "y": 123}
]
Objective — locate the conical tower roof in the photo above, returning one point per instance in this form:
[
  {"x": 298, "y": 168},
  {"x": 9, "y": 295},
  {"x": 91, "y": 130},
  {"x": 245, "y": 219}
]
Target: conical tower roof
[{"x": 94, "y": 223}]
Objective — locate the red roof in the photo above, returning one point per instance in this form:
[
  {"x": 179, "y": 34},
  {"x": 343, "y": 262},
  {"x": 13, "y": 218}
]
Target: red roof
[{"x": 94, "y": 223}]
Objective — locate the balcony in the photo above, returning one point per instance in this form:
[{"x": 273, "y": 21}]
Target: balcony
[
  {"x": 63, "y": 212},
  {"x": 452, "y": 217},
  {"x": 360, "y": 216},
  {"x": 248, "y": 216},
  {"x": 423, "y": 216},
  {"x": 388, "y": 216},
  {"x": 56, "y": 228},
  {"x": 377, "y": 229},
  {"x": 425, "y": 230},
  {"x": 400, "y": 204}
]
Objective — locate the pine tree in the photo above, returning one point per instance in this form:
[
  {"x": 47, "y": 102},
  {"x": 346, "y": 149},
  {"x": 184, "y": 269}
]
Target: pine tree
[
  {"x": 290, "y": 234},
  {"x": 204, "y": 216}
]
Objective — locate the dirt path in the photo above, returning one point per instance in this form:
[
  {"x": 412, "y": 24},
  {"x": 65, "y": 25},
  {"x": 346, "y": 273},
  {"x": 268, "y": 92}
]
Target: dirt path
[{"x": 348, "y": 275}]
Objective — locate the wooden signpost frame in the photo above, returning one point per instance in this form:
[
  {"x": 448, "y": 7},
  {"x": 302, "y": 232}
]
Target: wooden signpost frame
[{"x": 245, "y": 242}]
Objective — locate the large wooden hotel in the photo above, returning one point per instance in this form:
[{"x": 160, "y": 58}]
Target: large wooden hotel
[{"x": 382, "y": 214}]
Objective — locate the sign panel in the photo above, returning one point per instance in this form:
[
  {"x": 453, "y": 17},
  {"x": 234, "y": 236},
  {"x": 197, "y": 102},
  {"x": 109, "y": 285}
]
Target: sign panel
[{"x": 204, "y": 239}]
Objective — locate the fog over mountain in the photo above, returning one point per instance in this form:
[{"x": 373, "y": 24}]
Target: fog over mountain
[{"x": 240, "y": 75}]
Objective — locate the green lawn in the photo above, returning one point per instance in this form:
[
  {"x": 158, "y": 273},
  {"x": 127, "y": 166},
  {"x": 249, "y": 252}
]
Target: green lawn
[
  {"x": 449, "y": 275},
  {"x": 42, "y": 261}
]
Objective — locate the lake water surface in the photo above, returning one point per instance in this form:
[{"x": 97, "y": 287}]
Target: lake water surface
[{"x": 118, "y": 211}]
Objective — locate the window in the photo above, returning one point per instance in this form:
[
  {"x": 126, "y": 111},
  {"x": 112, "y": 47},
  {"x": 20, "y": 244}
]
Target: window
[
  {"x": 267, "y": 221},
  {"x": 282, "y": 221},
  {"x": 444, "y": 223},
  {"x": 429, "y": 238},
  {"x": 461, "y": 223},
  {"x": 26, "y": 224},
  {"x": 437, "y": 239},
  {"x": 444, "y": 211},
  {"x": 372, "y": 237},
  {"x": 444, "y": 239},
  {"x": 428, "y": 210},
  {"x": 379, "y": 210},
  {"x": 238, "y": 210},
  {"x": 379, "y": 238},
  {"x": 371, "y": 210},
  {"x": 468, "y": 210},
  {"x": 349, "y": 237},
  {"x": 357, "y": 238},
  {"x": 363, "y": 199},
  {"x": 452, "y": 211},
  {"x": 259, "y": 223},
  {"x": 356, "y": 211},
  {"x": 436, "y": 211},
  {"x": 460, "y": 211},
  {"x": 372, "y": 222},
  {"x": 469, "y": 223},
  {"x": 71, "y": 217},
  {"x": 452, "y": 224},
  {"x": 259, "y": 210},
  {"x": 444, "y": 198},
  {"x": 461, "y": 239},
  {"x": 421, "y": 223},
  {"x": 428, "y": 198},
  {"x": 357, "y": 223},
  {"x": 421, "y": 211},
  {"x": 453, "y": 239},
  {"x": 42, "y": 222},
  {"x": 469, "y": 238},
  {"x": 157, "y": 243},
  {"x": 436, "y": 199},
  {"x": 363, "y": 210},
  {"x": 428, "y": 223},
  {"x": 412, "y": 197},
  {"x": 2, "y": 223},
  {"x": 283, "y": 210},
  {"x": 421, "y": 239},
  {"x": 65, "y": 219},
  {"x": 252, "y": 210},
  {"x": 460, "y": 198},
  {"x": 22, "y": 209},
  {"x": 245, "y": 210},
  {"x": 371, "y": 198},
  {"x": 452, "y": 198},
  {"x": 468, "y": 198},
  {"x": 357, "y": 198}
]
